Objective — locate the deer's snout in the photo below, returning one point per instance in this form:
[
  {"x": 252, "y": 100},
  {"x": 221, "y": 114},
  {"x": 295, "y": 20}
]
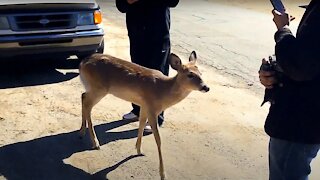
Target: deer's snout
[{"x": 204, "y": 89}]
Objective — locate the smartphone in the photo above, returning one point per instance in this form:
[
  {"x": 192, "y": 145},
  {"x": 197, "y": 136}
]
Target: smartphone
[{"x": 278, "y": 5}]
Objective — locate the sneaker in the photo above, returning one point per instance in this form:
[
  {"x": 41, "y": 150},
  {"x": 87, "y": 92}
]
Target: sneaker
[
  {"x": 148, "y": 128},
  {"x": 130, "y": 116}
]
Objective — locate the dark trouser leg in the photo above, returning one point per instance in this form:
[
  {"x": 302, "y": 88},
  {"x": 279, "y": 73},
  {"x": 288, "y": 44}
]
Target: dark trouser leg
[
  {"x": 160, "y": 119},
  {"x": 154, "y": 55},
  {"x": 135, "y": 109},
  {"x": 137, "y": 45},
  {"x": 160, "y": 61},
  {"x": 289, "y": 160}
]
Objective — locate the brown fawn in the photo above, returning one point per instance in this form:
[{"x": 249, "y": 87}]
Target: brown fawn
[{"x": 150, "y": 89}]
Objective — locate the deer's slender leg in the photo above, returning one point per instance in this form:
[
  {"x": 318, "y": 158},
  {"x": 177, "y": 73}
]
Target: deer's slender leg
[
  {"x": 142, "y": 123},
  {"x": 82, "y": 131},
  {"x": 152, "y": 119},
  {"x": 90, "y": 99}
]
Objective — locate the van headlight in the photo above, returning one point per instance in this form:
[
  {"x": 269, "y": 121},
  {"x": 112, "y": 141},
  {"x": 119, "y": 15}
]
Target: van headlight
[
  {"x": 4, "y": 24},
  {"x": 89, "y": 18},
  {"x": 85, "y": 18}
]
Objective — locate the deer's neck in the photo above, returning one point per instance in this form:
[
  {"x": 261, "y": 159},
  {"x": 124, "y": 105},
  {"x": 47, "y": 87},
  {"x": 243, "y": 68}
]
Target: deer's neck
[{"x": 176, "y": 91}]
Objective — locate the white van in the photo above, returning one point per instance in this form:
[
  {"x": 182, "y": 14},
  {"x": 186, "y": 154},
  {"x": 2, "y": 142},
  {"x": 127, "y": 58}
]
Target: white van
[{"x": 50, "y": 27}]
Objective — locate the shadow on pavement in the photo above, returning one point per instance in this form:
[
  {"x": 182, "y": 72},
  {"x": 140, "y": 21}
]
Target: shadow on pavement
[
  {"x": 42, "y": 158},
  {"x": 102, "y": 174},
  {"x": 31, "y": 72}
]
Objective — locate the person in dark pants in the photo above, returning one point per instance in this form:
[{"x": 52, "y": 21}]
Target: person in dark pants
[
  {"x": 148, "y": 25},
  {"x": 293, "y": 122}
]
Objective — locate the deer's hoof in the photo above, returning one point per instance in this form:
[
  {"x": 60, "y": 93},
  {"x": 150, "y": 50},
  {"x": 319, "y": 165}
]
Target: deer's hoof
[
  {"x": 97, "y": 147},
  {"x": 163, "y": 176},
  {"x": 139, "y": 152}
]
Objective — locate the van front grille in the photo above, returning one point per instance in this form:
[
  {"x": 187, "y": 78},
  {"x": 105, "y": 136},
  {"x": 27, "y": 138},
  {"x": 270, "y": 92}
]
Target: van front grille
[{"x": 43, "y": 22}]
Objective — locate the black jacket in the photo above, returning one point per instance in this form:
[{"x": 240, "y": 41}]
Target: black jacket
[
  {"x": 295, "y": 115},
  {"x": 141, "y": 17}
]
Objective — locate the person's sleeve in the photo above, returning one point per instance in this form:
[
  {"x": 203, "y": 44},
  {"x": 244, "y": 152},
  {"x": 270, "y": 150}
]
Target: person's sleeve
[
  {"x": 122, "y": 5},
  {"x": 168, "y": 3},
  {"x": 297, "y": 57}
]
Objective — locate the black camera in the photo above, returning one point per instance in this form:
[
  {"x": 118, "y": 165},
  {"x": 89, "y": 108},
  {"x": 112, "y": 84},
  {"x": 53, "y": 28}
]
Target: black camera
[{"x": 272, "y": 65}]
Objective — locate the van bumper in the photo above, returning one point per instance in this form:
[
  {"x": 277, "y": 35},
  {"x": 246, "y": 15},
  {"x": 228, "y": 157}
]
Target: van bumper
[{"x": 70, "y": 43}]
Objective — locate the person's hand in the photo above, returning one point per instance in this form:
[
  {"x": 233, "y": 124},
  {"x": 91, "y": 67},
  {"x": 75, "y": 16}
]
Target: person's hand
[
  {"x": 132, "y": 1},
  {"x": 281, "y": 20},
  {"x": 267, "y": 78}
]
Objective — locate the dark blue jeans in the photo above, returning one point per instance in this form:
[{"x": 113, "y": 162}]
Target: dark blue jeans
[{"x": 289, "y": 160}]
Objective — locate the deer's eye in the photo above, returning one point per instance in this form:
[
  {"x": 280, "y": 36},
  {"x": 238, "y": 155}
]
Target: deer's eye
[{"x": 190, "y": 75}]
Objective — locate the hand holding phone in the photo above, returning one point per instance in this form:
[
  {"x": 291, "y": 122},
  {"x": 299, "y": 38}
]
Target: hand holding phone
[
  {"x": 278, "y": 5},
  {"x": 280, "y": 20}
]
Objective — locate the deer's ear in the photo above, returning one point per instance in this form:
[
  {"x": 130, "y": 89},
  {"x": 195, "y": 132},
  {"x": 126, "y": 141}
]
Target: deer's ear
[
  {"x": 175, "y": 62},
  {"x": 193, "y": 57}
]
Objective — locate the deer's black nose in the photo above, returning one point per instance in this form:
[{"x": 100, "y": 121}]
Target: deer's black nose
[{"x": 204, "y": 88}]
